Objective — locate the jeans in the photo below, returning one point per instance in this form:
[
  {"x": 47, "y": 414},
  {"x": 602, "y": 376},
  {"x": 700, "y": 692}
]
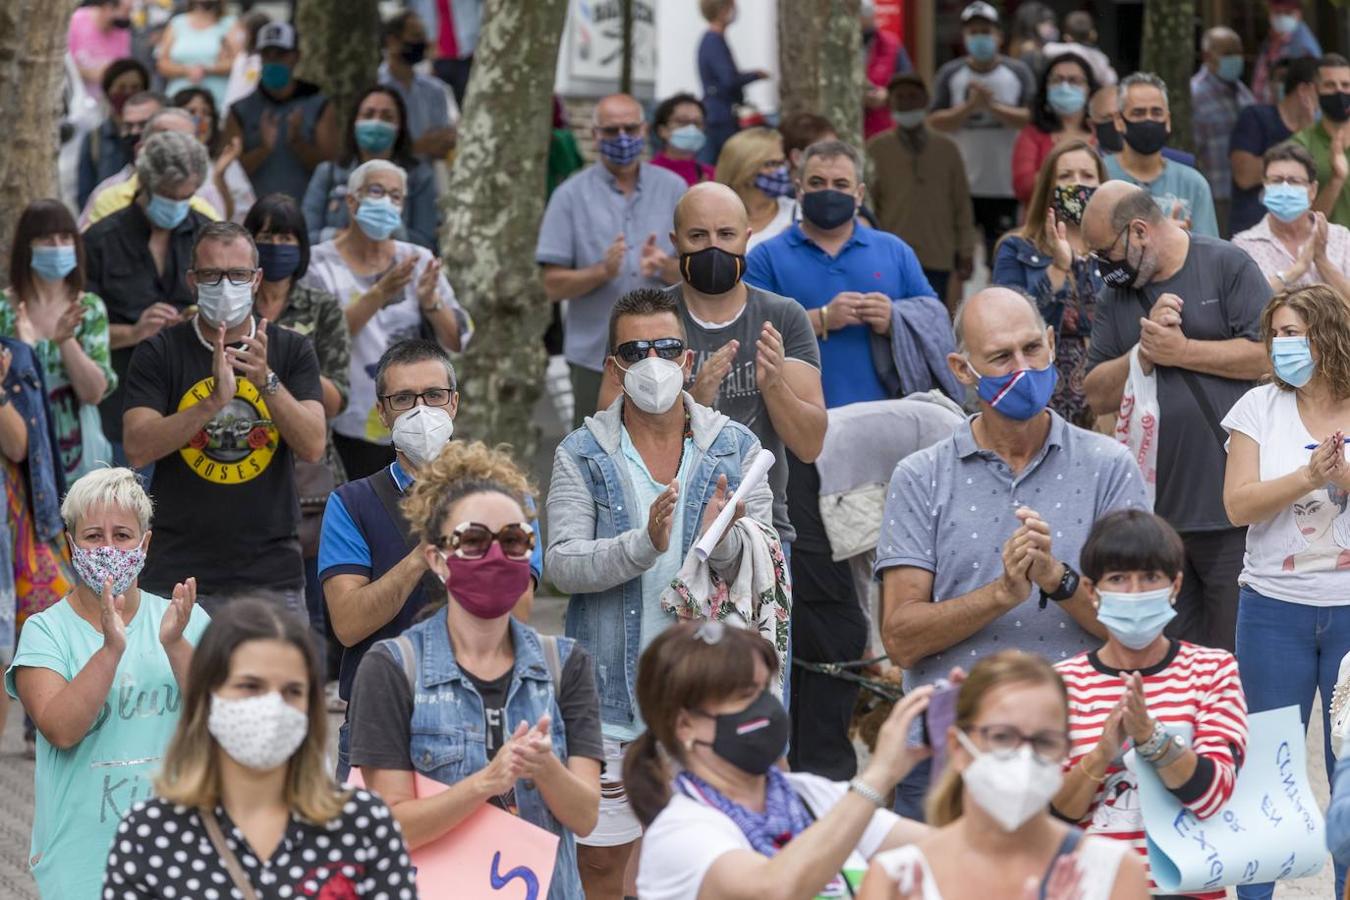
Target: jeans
[
  {"x": 913, "y": 790},
  {"x": 1207, "y": 605},
  {"x": 344, "y": 752},
  {"x": 1286, "y": 652}
]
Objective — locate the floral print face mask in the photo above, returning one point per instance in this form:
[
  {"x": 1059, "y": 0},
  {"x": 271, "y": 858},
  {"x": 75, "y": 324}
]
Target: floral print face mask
[
  {"x": 98, "y": 565},
  {"x": 1069, "y": 201}
]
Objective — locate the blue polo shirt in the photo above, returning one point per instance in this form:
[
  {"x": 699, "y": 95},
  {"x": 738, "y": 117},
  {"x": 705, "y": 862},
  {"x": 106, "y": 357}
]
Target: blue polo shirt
[{"x": 793, "y": 265}]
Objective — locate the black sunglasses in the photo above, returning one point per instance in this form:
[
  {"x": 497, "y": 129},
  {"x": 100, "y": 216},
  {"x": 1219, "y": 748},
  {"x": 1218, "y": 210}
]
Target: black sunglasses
[{"x": 636, "y": 351}]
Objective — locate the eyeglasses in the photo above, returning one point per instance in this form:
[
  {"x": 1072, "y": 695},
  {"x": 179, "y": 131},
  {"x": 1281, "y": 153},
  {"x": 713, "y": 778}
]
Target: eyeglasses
[
  {"x": 408, "y": 399},
  {"x": 212, "y": 277},
  {"x": 632, "y": 129},
  {"x": 377, "y": 191},
  {"x": 636, "y": 351},
  {"x": 1004, "y": 740},
  {"x": 470, "y": 540},
  {"x": 1102, "y": 257},
  {"x": 1284, "y": 179}
]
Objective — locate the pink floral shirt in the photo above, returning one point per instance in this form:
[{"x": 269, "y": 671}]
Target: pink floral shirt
[{"x": 1272, "y": 256}]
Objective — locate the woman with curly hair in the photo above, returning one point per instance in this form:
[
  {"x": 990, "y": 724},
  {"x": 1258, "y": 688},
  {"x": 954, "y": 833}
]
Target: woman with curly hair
[{"x": 471, "y": 697}]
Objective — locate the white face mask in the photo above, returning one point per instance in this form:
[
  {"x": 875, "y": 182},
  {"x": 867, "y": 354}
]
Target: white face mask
[
  {"x": 1011, "y": 790},
  {"x": 257, "y": 732},
  {"x": 225, "y": 303},
  {"x": 654, "y": 384},
  {"x": 422, "y": 432}
]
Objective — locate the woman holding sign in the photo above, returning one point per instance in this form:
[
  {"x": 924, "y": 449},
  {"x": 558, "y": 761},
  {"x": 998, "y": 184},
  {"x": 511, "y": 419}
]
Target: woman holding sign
[
  {"x": 470, "y": 697},
  {"x": 1178, "y": 705}
]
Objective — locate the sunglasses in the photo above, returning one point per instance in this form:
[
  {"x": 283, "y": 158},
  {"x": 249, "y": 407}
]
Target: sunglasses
[
  {"x": 636, "y": 351},
  {"x": 470, "y": 540}
]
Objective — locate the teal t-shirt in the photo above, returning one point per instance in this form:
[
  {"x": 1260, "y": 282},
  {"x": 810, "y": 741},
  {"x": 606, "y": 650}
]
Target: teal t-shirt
[
  {"x": 1178, "y": 185},
  {"x": 82, "y": 793}
]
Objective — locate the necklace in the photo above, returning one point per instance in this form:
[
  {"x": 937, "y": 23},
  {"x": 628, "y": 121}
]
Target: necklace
[{"x": 197, "y": 330}]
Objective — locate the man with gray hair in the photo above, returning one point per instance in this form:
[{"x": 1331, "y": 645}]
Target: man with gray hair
[
  {"x": 1145, "y": 122},
  {"x": 1217, "y": 96},
  {"x": 981, "y": 530},
  {"x": 137, "y": 258}
]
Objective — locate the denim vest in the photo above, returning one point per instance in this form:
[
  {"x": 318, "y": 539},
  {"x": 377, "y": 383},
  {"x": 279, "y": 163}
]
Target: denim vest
[
  {"x": 449, "y": 739},
  {"x": 608, "y": 623},
  {"x": 46, "y": 477}
]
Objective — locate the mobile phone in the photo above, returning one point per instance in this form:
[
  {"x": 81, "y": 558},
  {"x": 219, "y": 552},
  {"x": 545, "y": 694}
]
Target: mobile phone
[{"x": 937, "y": 718}]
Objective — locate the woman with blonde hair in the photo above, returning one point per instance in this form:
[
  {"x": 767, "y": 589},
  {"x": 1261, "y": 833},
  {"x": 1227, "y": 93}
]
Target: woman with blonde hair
[
  {"x": 469, "y": 696},
  {"x": 994, "y": 835},
  {"x": 752, "y": 164},
  {"x": 244, "y": 793}
]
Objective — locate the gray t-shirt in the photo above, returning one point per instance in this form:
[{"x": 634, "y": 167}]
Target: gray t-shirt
[
  {"x": 950, "y": 508},
  {"x": 1223, "y": 294},
  {"x": 739, "y": 398},
  {"x": 986, "y": 143}
]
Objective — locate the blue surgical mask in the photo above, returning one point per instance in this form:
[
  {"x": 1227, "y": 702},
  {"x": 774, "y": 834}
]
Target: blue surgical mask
[
  {"x": 688, "y": 138},
  {"x": 621, "y": 149},
  {"x": 1292, "y": 360},
  {"x": 1230, "y": 67},
  {"x": 777, "y": 183},
  {"x": 1284, "y": 23},
  {"x": 275, "y": 75},
  {"x": 166, "y": 213},
  {"x": 378, "y": 217},
  {"x": 1286, "y": 202},
  {"x": 375, "y": 135},
  {"x": 53, "y": 263},
  {"x": 1066, "y": 99},
  {"x": 1136, "y": 620},
  {"x": 910, "y": 118},
  {"x": 981, "y": 47},
  {"x": 1018, "y": 395}
]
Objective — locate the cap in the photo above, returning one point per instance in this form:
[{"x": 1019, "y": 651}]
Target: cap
[
  {"x": 979, "y": 10},
  {"x": 276, "y": 34},
  {"x": 900, "y": 78}
]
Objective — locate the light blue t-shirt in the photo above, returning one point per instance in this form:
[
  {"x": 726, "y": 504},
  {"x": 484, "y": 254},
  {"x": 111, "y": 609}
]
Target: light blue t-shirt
[
  {"x": 1177, "y": 184},
  {"x": 82, "y": 793}
]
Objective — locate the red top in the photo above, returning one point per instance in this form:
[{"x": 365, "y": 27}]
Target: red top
[
  {"x": 446, "y": 45},
  {"x": 691, "y": 170},
  {"x": 880, "y": 68},
  {"x": 1029, "y": 153}
]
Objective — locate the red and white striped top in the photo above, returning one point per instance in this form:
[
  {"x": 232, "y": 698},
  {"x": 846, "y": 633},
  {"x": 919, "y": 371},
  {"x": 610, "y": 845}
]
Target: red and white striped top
[{"x": 1193, "y": 690}]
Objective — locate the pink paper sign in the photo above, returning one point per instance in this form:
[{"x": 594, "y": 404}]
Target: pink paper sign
[{"x": 491, "y": 855}]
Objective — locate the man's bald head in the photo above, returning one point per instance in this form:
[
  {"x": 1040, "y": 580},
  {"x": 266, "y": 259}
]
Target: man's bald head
[
  {"x": 617, "y": 109},
  {"x": 710, "y": 215},
  {"x": 1221, "y": 41},
  {"x": 994, "y": 311},
  {"x": 1113, "y": 206}
]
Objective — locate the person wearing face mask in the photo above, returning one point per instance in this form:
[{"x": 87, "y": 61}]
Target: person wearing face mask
[
  {"x": 919, "y": 189},
  {"x": 103, "y": 152},
  {"x": 377, "y": 129},
  {"x": 222, "y": 404},
  {"x": 1047, "y": 258},
  {"x": 1180, "y": 706},
  {"x": 107, "y": 639},
  {"x": 1260, "y": 127},
  {"x": 678, "y": 126},
  {"x": 722, "y": 821},
  {"x": 464, "y": 670},
  {"x": 196, "y": 49},
  {"x": 372, "y": 564},
  {"x": 884, "y": 57},
  {"x": 1329, "y": 140},
  {"x": 1218, "y": 96},
  {"x": 245, "y": 781},
  {"x": 723, "y": 81},
  {"x": 752, "y": 163},
  {"x": 1289, "y": 38},
  {"x": 99, "y": 34},
  {"x": 605, "y": 233},
  {"x": 389, "y": 290},
  {"x": 1287, "y": 481},
  {"x": 994, "y": 832},
  {"x": 990, "y": 571},
  {"x": 287, "y": 125},
  {"x": 631, "y": 491},
  {"x": 1294, "y": 246},
  {"x": 231, "y": 189},
  {"x": 430, "y": 108},
  {"x": 982, "y": 100},
  {"x": 1059, "y": 113}
]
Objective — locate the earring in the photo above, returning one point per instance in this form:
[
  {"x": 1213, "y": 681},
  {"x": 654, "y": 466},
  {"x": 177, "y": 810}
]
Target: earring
[{"x": 689, "y": 745}]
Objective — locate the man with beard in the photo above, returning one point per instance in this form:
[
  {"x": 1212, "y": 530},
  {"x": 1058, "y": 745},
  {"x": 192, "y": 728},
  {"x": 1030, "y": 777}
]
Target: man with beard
[
  {"x": 1193, "y": 306},
  {"x": 1329, "y": 139}
]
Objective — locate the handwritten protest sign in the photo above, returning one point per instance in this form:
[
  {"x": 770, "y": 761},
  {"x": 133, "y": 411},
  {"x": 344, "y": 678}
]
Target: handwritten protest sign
[
  {"x": 491, "y": 855},
  {"x": 1270, "y": 829}
]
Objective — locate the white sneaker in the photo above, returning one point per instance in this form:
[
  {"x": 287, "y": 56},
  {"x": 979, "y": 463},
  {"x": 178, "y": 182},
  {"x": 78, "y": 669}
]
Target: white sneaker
[{"x": 1340, "y": 709}]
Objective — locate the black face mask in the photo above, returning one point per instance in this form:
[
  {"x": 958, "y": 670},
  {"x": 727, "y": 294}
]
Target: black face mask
[
  {"x": 121, "y": 22},
  {"x": 1118, "y": 273},
  {"x": 414, "y": 52},
  {"x": 753, "y": 739},
  {"x": 828, "y": 209},
  {"x": 712, "y": 270},
  {"x": 1147, "y": 137},
  {"x": 1335, "y": 107},
  {"x": 1108, "y": 139}
]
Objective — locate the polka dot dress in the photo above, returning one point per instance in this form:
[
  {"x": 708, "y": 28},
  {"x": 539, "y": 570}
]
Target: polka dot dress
[{"x": 162, "y": 851}]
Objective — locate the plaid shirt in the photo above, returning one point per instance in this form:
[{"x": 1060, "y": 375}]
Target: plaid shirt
[{"x": 1215, "y": 105}]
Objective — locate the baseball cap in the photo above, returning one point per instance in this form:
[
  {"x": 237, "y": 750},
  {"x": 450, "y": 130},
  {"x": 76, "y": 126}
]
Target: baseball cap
[
  {"x": 900, "y": 78},
  {"x": 276, "y": 34},
  {"x": 979, "y": 10}
]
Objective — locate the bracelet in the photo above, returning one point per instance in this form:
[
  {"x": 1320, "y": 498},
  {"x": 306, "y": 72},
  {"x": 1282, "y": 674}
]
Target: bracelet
[
  {"x": 1155, "y": 743},
  {"x": 825, "y": 323},
  {"x": 1172, "y": 751},
  {"x": 867, "y": 792},
  {"x": 1082, "y": 764}
]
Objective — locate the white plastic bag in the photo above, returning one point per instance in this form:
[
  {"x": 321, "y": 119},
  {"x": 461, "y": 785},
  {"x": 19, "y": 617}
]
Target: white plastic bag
[{"x": 1137, "y": 421}]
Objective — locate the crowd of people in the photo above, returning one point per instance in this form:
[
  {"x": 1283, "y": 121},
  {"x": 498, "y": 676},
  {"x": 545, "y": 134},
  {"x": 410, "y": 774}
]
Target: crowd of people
[{"x": 808, "y": 457}]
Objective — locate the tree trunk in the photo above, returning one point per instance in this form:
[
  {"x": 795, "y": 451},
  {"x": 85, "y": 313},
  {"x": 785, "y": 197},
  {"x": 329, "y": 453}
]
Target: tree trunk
[
  {"x": 340, "y": 49},
  {"x": 1169, "y": 53},
  {"x": 626, "y": 61},
  {"x": 820, "y": 62},
  {"x": 492, "y": 212},
  {"x": 32, "y": 76}
]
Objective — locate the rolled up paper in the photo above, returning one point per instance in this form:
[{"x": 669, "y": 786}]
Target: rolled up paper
[{"x": 754, "y": 477}]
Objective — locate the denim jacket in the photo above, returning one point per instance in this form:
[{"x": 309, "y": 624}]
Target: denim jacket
[
  {"x": 1018, "y": 263},
  {"x": 449, "y": 738},
  {"x": 597, "y": 554}
]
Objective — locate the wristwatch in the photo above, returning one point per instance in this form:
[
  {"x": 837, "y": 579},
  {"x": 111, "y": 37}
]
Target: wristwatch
[
  {"x": 272, "y": 384},
  {"x": 1068, "y": 586}
]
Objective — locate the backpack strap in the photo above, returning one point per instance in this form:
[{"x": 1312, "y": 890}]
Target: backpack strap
[
  {"x": 1066, "y": 848},
  {"x": 406, "y": 658},
  {"x": 553, "y": 660}
]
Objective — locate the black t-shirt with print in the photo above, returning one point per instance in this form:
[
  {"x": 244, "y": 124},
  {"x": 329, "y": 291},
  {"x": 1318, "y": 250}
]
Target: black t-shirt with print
[{"x": 226, "y": 509}]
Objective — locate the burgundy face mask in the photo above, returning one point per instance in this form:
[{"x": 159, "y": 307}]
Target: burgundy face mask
[{"x": 488, "y": 587}]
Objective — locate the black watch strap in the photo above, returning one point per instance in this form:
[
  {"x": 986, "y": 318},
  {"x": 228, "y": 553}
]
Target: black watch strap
[{"x": 1068, "y": 586}]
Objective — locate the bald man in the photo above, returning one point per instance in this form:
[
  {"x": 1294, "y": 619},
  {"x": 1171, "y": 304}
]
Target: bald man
[
  {"x": 1217, "y": 96},
  {"x": 982, "y": 530},
  {"x": 605, "y": 234},
  {"x": 1192, "y": 304}
]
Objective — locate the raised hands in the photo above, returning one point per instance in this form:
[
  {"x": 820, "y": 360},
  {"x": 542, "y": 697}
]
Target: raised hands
[{"x": 178, "y": 613}]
